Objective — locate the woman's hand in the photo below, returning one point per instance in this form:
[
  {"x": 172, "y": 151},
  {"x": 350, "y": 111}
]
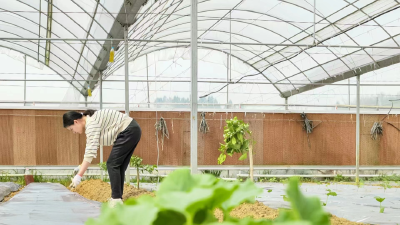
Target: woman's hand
[{"x": 75, "y": 181}]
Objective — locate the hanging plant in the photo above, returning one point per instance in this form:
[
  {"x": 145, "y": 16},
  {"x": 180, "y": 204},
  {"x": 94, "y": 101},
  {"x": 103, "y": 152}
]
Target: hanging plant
[
  {"x": 161, "y": 126},
  {"x": 308, "y": 126},
  {"x": 203, "y": 124},
  {"x": 377, "y": 128}
]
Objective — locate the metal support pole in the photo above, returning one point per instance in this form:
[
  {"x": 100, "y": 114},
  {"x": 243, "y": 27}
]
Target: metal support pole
[
  {"x": 286, "y": 104},
  {"x": 227, "y": 79},
  {"x": 315, "y": 2},
  {"x": 148, "y": 86},
  {"x": 193, "y": 110},
  {"x": 358, "y": 132},
  {"x": 25, "y": 80},
  {"x": 229, "y": 58},
  {"x": 349, "y": 92},
  {"x": 86, "y": 101},
  {"x": 101, "y": 107},
  {"x": 128, "y": 172}
]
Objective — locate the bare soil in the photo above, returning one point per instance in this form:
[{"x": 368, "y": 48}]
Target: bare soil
[
  {"x": 258, "y": 210},
  {"x": 100, "y": 191}
]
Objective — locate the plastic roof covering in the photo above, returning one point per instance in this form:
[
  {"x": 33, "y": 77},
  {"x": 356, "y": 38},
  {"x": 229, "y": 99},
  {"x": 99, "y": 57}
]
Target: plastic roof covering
[
  {"x": 71, "y": 19},
  {"x": 339, "y": 22}
]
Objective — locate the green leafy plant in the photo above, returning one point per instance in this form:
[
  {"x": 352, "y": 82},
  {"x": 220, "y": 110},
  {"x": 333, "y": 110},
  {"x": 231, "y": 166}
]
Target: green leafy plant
[
  {"x": 136, "y": 162},
  {"x": 340, "y": 178},
  {"x": 273, "y": 179},
  {"x": 238, "y": 139},
  {"x": 360, "y": 184},
  {"x": 307, "y": 210},
  {"x": 330, "y": 193},
  {"x": 385, "y": 185},
  {"x": 380, "y": 200},
  {"x": 270, "y": 190},
  {"x": 216, "y": 173},
  {"x": 186, "y": 199},
  {"x": 285, "y": 198},
  {"x": 103, "y": 167}
]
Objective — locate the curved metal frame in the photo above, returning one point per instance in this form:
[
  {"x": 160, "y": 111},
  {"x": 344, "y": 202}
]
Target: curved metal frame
[
  {"x": 136, "y": 50},
  {"x": 67, "y": 30}
]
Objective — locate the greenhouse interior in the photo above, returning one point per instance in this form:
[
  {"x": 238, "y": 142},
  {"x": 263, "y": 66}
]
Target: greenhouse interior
[{"x": 199, "y": 112}]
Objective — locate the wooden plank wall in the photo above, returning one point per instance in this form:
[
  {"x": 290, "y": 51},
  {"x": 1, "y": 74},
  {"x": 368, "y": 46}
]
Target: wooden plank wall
[{"x": 37, "y": 137}]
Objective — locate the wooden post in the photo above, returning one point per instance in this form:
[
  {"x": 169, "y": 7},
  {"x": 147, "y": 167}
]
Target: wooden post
[{"x": 251, "y": 161}]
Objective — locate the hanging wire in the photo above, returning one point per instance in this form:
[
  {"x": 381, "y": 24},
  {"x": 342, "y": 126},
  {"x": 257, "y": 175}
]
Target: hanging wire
[
  {"x": 203, "y": 124},
  {"x": 161, "y": 126}
]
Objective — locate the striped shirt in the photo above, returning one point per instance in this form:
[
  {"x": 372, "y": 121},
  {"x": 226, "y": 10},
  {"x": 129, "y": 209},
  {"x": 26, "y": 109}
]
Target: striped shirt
[{"x": 102, "y": 128}]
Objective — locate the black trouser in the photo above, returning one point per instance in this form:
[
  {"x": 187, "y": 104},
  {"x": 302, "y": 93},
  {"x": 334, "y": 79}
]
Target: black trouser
[{"x": 120, "y": 155}]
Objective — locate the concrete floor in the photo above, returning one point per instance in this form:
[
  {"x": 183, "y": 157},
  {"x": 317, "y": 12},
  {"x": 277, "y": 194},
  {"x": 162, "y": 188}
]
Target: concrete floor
[{"x": 47, "y": 204}]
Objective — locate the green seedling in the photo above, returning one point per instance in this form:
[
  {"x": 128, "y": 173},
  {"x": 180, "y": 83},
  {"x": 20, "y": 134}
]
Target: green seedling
[
  {"x": 330, "y": 193},
  {"x": 269, "y": 191},
  {"x": 380, "y": 200},
  {"x": 385, "y": 185},
  {"x": 285, "y": 198},
  {"x": 360, "y": 184},
  {"x": 136, "y": 162},
  {"x": 103, "y": 167},
  {"x": 273, "y": 179}
]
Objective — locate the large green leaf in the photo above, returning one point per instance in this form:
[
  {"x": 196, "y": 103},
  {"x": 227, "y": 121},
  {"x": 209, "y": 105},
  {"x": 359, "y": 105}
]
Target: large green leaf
[
  {"x": 169, "y": 217},
  {"x": 246, "y": 192},
  {"x": 240, "y": 136},
  {"x": 303, "y": 208},
  {"x": 179, "y": 180},
  {"x": 126, "y": 215},
  {"x": 186, "y": 203},
  {"x": 243, "y": 157},
  {"x": 221, "y": 158}
]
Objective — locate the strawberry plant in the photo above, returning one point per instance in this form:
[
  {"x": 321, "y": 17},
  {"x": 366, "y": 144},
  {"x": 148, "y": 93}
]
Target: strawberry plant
[
  {"x": 186, "y": 199},
  {"x": 380, "y": 200},
  {"x": 238, "y": 139},
  {"x": 136, "y": 162}
]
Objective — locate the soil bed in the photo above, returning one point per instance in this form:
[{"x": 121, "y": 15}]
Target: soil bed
[
  {"x": 259, "y": 210},
  {"x": 100, "y": 191}
]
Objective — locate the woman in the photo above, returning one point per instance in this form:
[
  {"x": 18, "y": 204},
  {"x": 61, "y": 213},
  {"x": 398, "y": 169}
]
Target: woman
[{"x": 106, "y": 127}]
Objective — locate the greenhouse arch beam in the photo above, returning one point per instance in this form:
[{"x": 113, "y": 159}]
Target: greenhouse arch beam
[
  {"x": 130, "y": 8},
  {"x": 24, "y": 53},
  {"x": 210, "y": 48},
  {"x": 346, "y": 75}
]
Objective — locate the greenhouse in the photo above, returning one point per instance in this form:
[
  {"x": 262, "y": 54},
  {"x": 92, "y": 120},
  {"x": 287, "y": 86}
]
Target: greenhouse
[{"x": 199, "y": 112}]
